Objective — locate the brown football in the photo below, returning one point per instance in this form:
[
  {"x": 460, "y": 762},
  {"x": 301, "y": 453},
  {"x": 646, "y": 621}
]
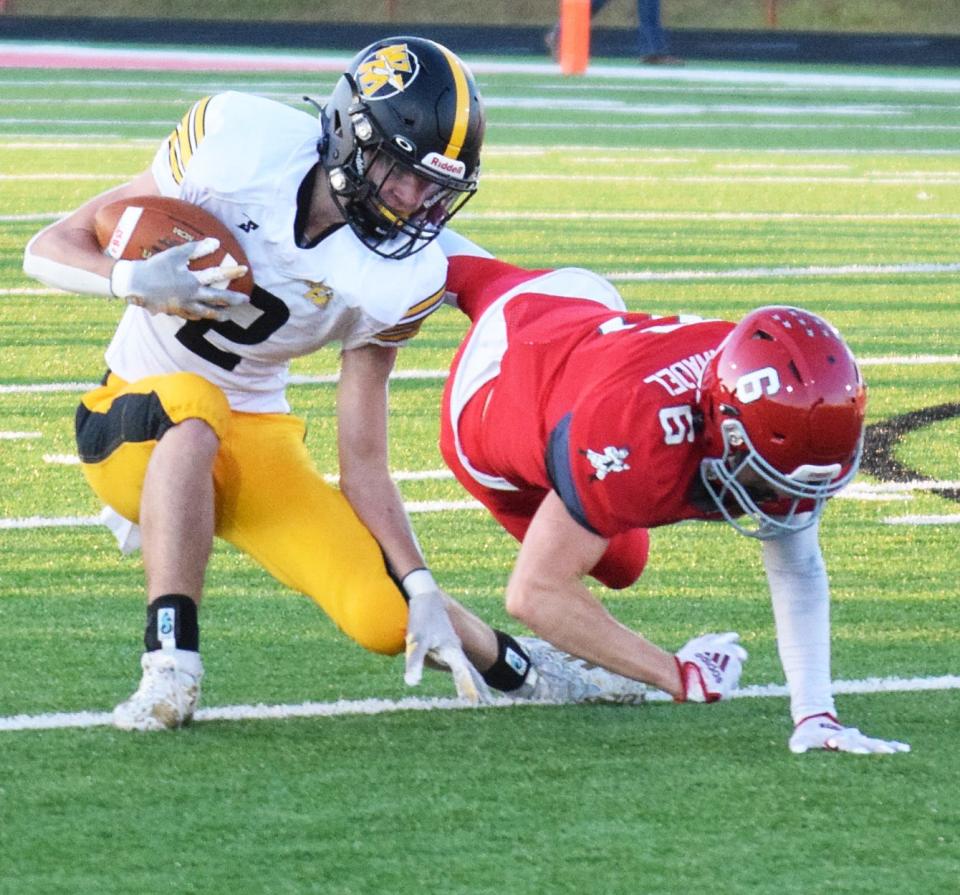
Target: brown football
[{"x": 141, "y": 226}]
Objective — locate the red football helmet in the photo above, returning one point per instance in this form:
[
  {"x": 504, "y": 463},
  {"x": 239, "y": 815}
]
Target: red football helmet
[{"x": 783, "y": 404}]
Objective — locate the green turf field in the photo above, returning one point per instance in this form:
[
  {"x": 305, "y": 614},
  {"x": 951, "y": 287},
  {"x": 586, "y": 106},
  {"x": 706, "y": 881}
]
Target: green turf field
[{"x": 709, "y": 190}]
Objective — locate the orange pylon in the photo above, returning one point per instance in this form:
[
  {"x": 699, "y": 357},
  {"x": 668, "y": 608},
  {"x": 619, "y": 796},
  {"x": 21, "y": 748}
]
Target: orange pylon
[{"x": 574, "y": 36}]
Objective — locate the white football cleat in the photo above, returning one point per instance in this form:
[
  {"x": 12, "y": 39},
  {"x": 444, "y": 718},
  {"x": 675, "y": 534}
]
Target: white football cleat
[
  {"x": 556, "y": 676},
  {"x": 168, "y": 693}
]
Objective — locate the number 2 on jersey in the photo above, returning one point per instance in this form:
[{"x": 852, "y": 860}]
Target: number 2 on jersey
[{"x": 274, "y": 313}]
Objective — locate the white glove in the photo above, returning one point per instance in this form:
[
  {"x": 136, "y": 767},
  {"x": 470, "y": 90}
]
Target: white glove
[
  {"x": 825, "y": 732},
  {"x": 164, "y": 283},
  {"x": 430, "y": 635},
  {"x": 710, "y": 667}
]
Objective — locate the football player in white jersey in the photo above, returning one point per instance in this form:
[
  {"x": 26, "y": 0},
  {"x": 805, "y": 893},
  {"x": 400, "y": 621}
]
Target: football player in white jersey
[{"x": 190, "y": 435}]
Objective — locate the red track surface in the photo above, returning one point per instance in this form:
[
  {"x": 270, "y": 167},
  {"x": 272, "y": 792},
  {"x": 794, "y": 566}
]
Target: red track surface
[{"x": 56, "y": 56}]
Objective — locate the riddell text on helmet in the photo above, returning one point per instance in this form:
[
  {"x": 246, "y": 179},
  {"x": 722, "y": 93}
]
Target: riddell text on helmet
[{"x": 450, "y": 166}]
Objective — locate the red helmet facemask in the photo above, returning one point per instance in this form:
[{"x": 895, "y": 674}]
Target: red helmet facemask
[{"x": 783, "y": 403}]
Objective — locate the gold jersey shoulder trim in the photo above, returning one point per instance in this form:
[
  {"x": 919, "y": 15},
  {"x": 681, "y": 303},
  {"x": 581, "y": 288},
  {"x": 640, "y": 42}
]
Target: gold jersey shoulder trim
[
  {"x": 409, "y": 325},
  {"x": 186, "y": 137}
]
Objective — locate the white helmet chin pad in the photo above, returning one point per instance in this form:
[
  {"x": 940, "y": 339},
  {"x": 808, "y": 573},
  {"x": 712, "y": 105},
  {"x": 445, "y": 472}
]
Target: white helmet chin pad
[{"x": 807, "y": 484}]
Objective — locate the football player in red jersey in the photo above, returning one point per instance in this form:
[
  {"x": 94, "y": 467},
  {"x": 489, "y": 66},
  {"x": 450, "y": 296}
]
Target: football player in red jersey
[{"x": 581, "y": 425}]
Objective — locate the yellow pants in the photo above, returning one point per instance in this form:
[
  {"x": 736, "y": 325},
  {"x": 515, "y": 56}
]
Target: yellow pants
[{"x": 270, "y": 500}]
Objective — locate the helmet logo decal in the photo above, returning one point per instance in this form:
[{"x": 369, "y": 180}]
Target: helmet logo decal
[
  {"x": 387, "y": 72},
  {"x": 613, "y": 459},
  {"x": 753, "y": 386}
]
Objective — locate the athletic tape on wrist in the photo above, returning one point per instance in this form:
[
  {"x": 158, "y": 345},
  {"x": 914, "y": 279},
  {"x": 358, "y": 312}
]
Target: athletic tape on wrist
[
  {"x": 120, "y": 278},
  {"x": 418, "y": 582}
]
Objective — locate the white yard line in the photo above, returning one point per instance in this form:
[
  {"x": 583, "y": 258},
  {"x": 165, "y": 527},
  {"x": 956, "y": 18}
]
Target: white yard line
[
  {"x": 61, "y": 459},
  {"x": 346, "y": 707},
  {"x": 84, "y": 122},
  {"x": 65, "y": 176},
  {"x": 915, "y": 178},
  {"x": 755, "y": 273},
  {"x": 47, "y": 388},
  {"x": 759, "y": 216},
  {"x": 687, "y": 109},
  {"x": 855, "y": 491},
  {"x": 882, "y": 490},
  {"x": 60, "y": 102},
  {"x": 559, "y": 103},
  {"x": 774, "y": 166},
  {"x": 505, "y": 150},
  {"x": 951, "y": 179},
  {"x": 34, "y": 522},
  {"x": 188, "y": 85},
  {"x": 721, "y": 216},
  {"x": 417, "y": 475},
  {"x": 719, "y": 125},
  {"x": 434, "y": 506},
  {"x": 860, "y": 491},
  {"x": 909, "y": 361},
  {"x": 333, "y": 378},
  {"x": 20, "y": 218},
  {"x": 29, "y": 522},
  {"x": 493, "y": 100},
  {"x": 131, "y": 143},
  {"x": 18, "y": 436}
]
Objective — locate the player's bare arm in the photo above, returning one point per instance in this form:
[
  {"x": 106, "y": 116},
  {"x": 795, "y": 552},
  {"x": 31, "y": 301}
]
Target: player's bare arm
[
  {"x": 547, "y": 594},
  {"x": 72, "y": 241},
  {"x": 69, "y": 256},
  {"x": 362, "y": 406},
  {"x": 362, "y": 403}
]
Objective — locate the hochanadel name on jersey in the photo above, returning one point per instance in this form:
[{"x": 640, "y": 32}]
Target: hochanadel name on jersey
[
  {"x": 683, "y": 375},
  {"x": 612, "y": 459}
]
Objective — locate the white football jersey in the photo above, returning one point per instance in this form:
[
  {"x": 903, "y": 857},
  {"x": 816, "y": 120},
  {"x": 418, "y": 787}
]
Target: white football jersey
[{"x": 243, "y": 158}]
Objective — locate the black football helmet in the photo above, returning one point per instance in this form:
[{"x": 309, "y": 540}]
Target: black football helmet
[{"x": 404, "y": 104}]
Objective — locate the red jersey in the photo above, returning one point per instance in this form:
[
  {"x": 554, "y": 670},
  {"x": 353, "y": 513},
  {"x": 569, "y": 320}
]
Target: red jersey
[{"x": 590, "y": 401}]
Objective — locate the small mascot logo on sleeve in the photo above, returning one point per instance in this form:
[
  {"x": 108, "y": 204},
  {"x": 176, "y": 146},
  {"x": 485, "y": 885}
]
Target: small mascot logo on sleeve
[
  {"x": 611, "y": 459},
  {"x": 387, "y": 72},
  {"x": 319, "y": 293}
]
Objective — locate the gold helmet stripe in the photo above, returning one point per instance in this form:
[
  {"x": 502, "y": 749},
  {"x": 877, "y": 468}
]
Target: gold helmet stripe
[{"x": 461, "y": 118}]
